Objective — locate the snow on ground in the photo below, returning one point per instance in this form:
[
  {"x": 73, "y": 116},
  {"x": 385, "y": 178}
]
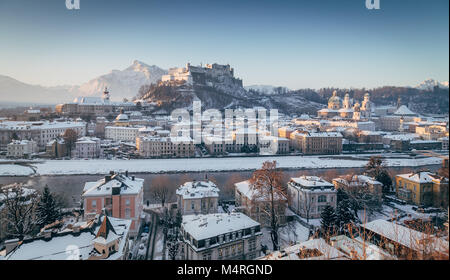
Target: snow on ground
[
  {"x": 15, "y": 170},
  {"x": 292, "y": 233},
  {"x": 159, "y": 239},
  {"x": 79, "y": 167}
]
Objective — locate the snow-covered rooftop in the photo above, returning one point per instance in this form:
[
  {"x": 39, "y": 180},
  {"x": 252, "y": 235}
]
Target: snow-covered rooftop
[
  {"x": 313, "y": 249},
  {"x": 198, "y": 189},
  {"x": 405, "y": 236},
  {"x": 104, "y": 187},
  {"x": 311, "y": 182},
  {"x": 206, "y": 226},
  {"x": 420, "y": 177},
  {"x": 62, "y": 246},
  {"x": 404, "y": 111}
]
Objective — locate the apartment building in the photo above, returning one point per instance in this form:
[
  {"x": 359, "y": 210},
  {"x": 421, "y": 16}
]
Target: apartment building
[
  {"x": 121, "y": 133},
  {"x": 198, "y": 197},
  {"x": 252, "y": 203},
  {"x": 423, "y": 188},
  {"x": 88, "y": 147},
  {"x": 119, "y": 194},
  {"x": 358, "y": 183},
  {"x": 222, "y": 236},
  {"x": 21, "y": 148},
  {"x": 316, "y": 143},
  {"x": 41, "y": 131},
  {"x": 309, "y": 195},
  {"x": 157, "y": 146}
]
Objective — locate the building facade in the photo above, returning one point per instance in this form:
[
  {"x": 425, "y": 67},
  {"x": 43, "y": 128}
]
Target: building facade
[
  {"x": 120, "y": 133},
  {"x": 21, "y": 148},
  {"x": 88, "y": 147},
  {"x": 423, "y": 188},
  {"x": 220, "y": 237},
  {"x": 254, "y": 203},
  {"x": 198, "y": 197},
  {"x": 309, "y": 195},
  {"x": 119, "y": 194}
]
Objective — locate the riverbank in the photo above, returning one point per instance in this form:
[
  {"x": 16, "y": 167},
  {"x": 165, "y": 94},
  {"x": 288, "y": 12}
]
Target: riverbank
[{"x": 192, "y": 165}]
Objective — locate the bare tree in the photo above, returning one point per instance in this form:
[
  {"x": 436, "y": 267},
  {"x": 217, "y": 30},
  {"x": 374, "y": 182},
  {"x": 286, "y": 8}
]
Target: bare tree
[
  {"x": 267, "y": 184},
  {"x": 161, "y": 190},
  {"x": 70, "y": 136},
  {"x": 19, "y": 205},
  {"x": 307, "y": 206}
]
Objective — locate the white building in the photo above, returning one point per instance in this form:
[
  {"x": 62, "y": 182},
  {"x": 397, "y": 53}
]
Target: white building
[
  {"x": 121, "y": 133},
  {"x": 309, "y": 195},
  {"x": 157, "y": 146},
  {"x": 220, "y": 237},
  {"x": 88, "y": 147},
  {"x": 21, "y": 148},
  {"x": 41, "y": 132},
  {"x": 197, "y": 197}
]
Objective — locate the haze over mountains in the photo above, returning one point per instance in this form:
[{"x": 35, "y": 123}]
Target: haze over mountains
[{"x": 124, "y": 84}]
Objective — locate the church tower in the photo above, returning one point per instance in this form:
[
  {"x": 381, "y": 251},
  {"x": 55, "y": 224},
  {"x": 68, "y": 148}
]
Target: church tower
[
  {"x": 366, "y": 107},
  {"x": 347, "y": 104},
  {"x": 106, "y": 95}
]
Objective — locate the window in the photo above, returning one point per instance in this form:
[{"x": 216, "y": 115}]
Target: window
[
  {"x": 94, "y": 203},
  {"x": 127, "y": 202},
  {"x": 322, "y": 198},
  {"x": 127, "y": 213},
  {"x": 192, "y": 206}
]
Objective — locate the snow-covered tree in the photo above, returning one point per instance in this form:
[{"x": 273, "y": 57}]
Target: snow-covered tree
[
  {"x": 344, "y": 215},
  {"x": 19, "y": 204},
  {"x": 328, "y": 220},
  {"x": 48, "y": 209}
]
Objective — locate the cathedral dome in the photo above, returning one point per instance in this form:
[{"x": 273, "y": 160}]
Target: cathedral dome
[{"x": 334, "y": 102}]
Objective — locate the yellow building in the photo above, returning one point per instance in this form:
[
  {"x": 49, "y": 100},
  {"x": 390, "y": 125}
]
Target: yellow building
[{"x": 423, "y": 188}]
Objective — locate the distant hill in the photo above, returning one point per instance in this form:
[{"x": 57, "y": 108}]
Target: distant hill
[{"x": 122, "y": 83}]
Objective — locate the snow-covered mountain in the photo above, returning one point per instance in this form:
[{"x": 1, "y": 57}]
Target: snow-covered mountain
[
  {"x": 429, "y": 84},
  {"x": 267, "y": 89},
  {"x": 122, "y": 83}
]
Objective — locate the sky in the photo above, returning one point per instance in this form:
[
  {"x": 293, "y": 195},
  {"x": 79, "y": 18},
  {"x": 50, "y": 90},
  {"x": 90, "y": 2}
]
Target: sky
[{"x": 298, "y": 43}]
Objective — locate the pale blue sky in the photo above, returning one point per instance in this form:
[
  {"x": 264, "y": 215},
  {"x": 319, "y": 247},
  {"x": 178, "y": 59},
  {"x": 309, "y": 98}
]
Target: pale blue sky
[{"x": 297, "y": 44}]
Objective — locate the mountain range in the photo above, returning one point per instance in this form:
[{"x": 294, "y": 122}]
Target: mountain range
[
  {"x": 121, "y": 83},
  {"x": 126, "y": 84}
]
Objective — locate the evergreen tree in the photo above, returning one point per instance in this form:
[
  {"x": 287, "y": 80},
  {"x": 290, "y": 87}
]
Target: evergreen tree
[
  {"x": 377, "y": 170},
  {"x": 328, "y": 220},
  {"x": 48, "y": 210},
  {"x": 344, "y": 215}
]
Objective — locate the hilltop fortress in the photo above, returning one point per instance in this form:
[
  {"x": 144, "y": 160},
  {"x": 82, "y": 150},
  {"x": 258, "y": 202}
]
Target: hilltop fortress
[{"x": 199, "y": 75}]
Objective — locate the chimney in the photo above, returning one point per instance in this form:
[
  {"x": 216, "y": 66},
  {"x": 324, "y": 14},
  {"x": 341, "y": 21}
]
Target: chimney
[
  {"x": 11, "y": 245},
  {"x": 111, "y": 172},
  {"x": 132, "y": 178},
  {"x": 126, "y": 173},
  {"x": 47, "y": 235},
  {"x": 76, "y": 229}
]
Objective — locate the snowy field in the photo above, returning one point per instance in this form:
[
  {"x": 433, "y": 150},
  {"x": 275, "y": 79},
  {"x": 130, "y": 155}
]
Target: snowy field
[
  {"x": 82, "y": 167},
  {"x": 15, "y": 170}
]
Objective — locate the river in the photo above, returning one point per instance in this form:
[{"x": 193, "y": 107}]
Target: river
[{"x": 70, "y": 186}]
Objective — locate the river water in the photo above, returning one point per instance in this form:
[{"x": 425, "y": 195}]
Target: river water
[{"x": 71, "y": 186}]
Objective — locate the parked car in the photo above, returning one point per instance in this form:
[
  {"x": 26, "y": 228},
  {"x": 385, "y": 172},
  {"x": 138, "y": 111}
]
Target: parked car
[{"x": 146, "y": 229}]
